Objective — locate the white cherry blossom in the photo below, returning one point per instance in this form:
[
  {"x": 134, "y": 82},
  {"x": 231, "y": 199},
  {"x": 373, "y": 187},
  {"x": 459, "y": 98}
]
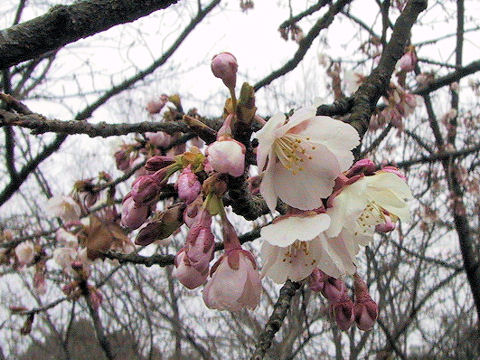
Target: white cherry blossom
[
  {"x": 295, "y": 245},
  {"x": 64, "y": 207},
  {"x": 368, "y": 202},
  {"x": 301, "y": 159}
]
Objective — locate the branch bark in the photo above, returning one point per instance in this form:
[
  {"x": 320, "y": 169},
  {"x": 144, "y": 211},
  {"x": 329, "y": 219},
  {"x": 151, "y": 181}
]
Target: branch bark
[{"x": 62, "y": 25}]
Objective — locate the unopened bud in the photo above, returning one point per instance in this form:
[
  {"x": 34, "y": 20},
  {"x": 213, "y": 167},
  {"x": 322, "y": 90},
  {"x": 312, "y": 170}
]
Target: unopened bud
[
  {"x": 186, "y": 273},
  {"x": 96, "y": 297},
  {"x": 224, "y": 66},
  {"x": 365, "y": 309},
  {"x": 334, "y": 290},
  {"x": 122, "y": 160},
  {"x": 227, "y": 157},
  {"x": 188, "y": 186},
  {"x": 162, "y": 226},
  {"x": 364, "y": 166},
  {"x": 144, "y": 189},
  {"x": 200, "y": 244},
  {"x": 317, "y": 280},
  {"x": 342, "y": 312},
  {"x": 158, "y": 162},
  {"x": 133, "y": 216}
]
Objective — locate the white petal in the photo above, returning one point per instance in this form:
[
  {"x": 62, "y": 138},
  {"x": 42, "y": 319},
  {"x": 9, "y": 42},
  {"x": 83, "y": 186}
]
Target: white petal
[
  {"x": 338, "y": 136},
  {"x": 266, "y": 137},
  {"x": 299, "y": 116},
  {"x": 267, "y": 189},
  {"x": 347, "y": 207},
  {"x": 286, "y": 231},
  {"x": 387, "y": 180},
  {"x": 306, "y": 188},
  {"x": 270, "y": 255},
  {"x": 294, "y": 263},
  {"x": 329, "y": 261}
]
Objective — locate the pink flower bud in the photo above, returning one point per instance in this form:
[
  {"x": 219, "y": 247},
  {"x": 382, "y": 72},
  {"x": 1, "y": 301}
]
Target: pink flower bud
[
  {"x": 224, "y": 66},
  {"x": 199, "y": 247},
  {"x": 317, "y": 280},
  {"x": 343, "y": 313},
  {"x": 235, "y": 282},
  {"x": 155, "y": 106},
  {"x": 122, "y": 160},
  {"x": 68, "y": 289},
  {"x": 364, "y": 166},
  {"x": 227, "y": 157},
  {"x": 388, "y": 226},
  {"x": 410, "y": 100},
  {"x": 187, "y": 274},
  {"x": 365, "y": 309},
  {"x": 408, "y": 61},
  {"x": 191, "y": 213},
  {"x": 334, "y": 290},
  {"x": 39, "y": 282},
  {"x": 144, "y": 189},
  {"x": 188, "y": 186},
  {"x": 160, "y": 138},
  {"x": 96, "y": 297},
  {"x": 366, "y": 313},
  {"x": 132, "y": 216},
  {"x": 158, "y": 162}
]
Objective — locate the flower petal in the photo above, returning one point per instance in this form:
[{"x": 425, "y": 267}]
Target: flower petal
[
  {"x": 266, "y": 137},
  {"x": 267, "y": 189},
  {"x": 336, "y": 135},
  {"x": 306, "y": 188},
  {"x": 287, "y": 230}
]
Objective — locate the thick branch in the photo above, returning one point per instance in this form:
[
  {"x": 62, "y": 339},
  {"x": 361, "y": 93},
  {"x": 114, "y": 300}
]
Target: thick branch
[
  {"x": 273, "y": 324},
  {"x": 41, "y": 125},
  {"x": 366, "y": 98},
  {"x": 62, "y": 25},
  {"x": 160, "y": 260}
]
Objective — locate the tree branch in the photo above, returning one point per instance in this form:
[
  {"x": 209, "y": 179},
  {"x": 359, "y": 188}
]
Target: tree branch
[
  {"x": 448, "y": 79},
  {"x": 62, "y": 25},
  {"x": 275, "y": 321},
  {"x": 305, "y": 44},
  {"x": 366, "y": 97}
]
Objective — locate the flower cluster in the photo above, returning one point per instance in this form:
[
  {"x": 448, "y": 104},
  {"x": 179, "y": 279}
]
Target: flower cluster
[
  {"x": 331, "y": 207},
  {"x": 305, "y": 163}
]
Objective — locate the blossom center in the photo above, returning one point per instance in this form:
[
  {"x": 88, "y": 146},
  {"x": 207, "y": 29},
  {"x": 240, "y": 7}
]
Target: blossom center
[
  {"x": 291, "y": 150},
  {"x": 372, "y": 215},
  {"x": 299, "y": 249}
]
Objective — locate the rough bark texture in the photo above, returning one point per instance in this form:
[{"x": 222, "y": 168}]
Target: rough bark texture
[{"x": 62, "y": 25}]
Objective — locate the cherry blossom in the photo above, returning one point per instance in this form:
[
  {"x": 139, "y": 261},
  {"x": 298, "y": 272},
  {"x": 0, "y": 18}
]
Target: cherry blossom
[
  {"x": 302, "y": 158},
  {"x": 235, "y": 282},
  {"x": 64, "y": 207},
  {"x": 361, "y": 206},
  {"x": 295, "y": 245}
]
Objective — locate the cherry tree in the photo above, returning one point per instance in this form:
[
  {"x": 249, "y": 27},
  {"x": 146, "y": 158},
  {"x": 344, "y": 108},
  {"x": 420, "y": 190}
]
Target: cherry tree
[{"x": 322, "y": 204}]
